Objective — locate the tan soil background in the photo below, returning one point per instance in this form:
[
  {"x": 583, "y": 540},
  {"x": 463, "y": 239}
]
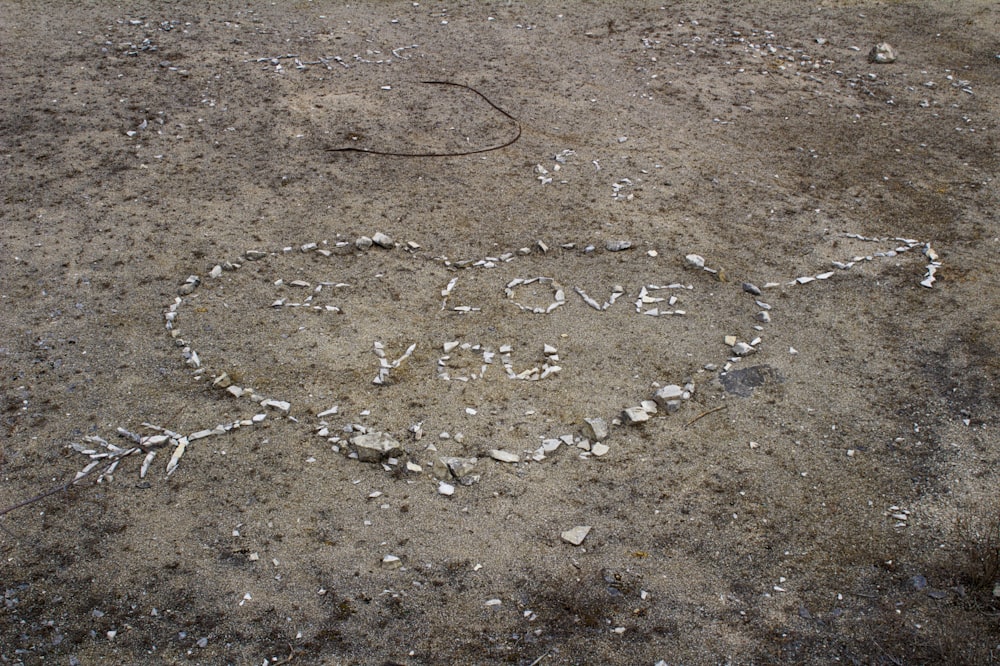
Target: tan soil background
[{"x": 141, "y": 143}]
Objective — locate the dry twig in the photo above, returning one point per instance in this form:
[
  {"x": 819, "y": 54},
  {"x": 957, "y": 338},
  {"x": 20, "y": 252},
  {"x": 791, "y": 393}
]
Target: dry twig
[{"x": 704, "y": 414}]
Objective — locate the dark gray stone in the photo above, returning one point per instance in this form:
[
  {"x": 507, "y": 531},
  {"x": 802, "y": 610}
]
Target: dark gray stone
[{"x": 743, "y": 381}]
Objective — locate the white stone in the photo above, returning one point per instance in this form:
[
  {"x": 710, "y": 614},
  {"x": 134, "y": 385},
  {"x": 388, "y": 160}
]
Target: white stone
[
  {"x": 460, "y": 467},
  {"x": 633, "y": 415},
  {"x": 882, "y": 53},
  {"x": 596, "y": 429},
  {"x": 391, "y": 562},
  {"x": 576, "y": 535},
  {"x": 667, "y": 394},
  {"x": 550, "y": 445},
  {"x": 374, "y": 446},
  {"x": 599, "y": 449},
  {"x": 504, "y": 456},
  {"x": 446, "y": 489},
  {"x": 382, "y": 240},
  {"x": 696, "y": 260},
  {"x": 280, "y": 405}
]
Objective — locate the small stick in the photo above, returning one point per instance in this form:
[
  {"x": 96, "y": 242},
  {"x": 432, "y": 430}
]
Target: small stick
[
  {"x": 866, "y": 596},
  {"x": 539, "y": 660},
  {"x": 704, "y": 414},
  {"x": 288, "y": 659}
]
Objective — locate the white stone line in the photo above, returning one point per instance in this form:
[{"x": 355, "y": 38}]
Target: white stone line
[{"x": 630, "y": 415}]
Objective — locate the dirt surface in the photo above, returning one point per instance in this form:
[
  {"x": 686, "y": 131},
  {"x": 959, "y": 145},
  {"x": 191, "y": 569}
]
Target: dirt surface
[{"x": 142, "y": 144}]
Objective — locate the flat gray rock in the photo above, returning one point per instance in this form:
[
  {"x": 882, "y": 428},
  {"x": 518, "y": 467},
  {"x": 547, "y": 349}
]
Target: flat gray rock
[
  {"x": 374, "y": 446},
  {"x": 633, "y": 415},
  {"x": 667, "y": 394},
  {"x": 504, "y": 456},
  {"x": 460, "y": 467},
  {"x": 596, "y": 429}
]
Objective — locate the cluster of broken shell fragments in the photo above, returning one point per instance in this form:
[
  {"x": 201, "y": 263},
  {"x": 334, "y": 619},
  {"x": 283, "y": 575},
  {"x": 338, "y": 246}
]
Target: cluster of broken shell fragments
[{"x": 367, "y": 445}]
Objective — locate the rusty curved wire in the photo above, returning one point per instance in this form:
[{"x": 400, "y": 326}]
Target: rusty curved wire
[{"x": 387, "y": 153}]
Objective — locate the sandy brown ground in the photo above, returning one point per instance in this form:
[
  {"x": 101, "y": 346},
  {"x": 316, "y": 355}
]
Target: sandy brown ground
[{"x": 141, "y": 143}]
